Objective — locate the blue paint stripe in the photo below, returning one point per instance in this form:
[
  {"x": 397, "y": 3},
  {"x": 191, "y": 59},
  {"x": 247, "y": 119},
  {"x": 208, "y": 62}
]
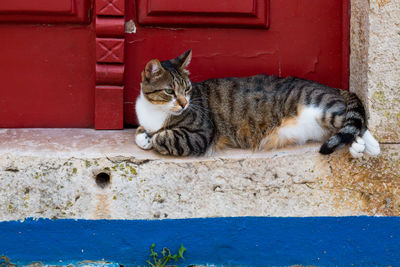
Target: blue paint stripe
[{"x": 256, "y": 241}]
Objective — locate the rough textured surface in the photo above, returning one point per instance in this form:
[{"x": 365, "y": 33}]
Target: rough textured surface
[
  {"x": 375, "y": 64},
  {"x": 359, "y": 42},
  {"x": 51, "y": 173}
]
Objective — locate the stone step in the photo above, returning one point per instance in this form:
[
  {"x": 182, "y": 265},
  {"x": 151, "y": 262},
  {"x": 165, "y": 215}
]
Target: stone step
[{"x": 88, "y": 174}]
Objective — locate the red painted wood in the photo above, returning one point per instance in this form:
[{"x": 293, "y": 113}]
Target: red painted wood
[
  {"x": 306, "y": 38},
  {"x": 109, "y": 74},
  {"x": 345, "y": 44},
  {"x": 45, "y": 11},
  {"x": 202, "y": 13},
  {"x": 243, "y": 7},
  {"x": 109, "y": 68},
  {"x": 47, "y": 75},
  {"x": 37, "y": 6},
  {"x": 110, "y": 7},
  {"x": 110, "y": 26},
  {"x": 109, "y": 107},
  {"x": 109, "y": 50}
]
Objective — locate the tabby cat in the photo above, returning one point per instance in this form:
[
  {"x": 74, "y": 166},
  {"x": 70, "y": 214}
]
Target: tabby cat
[{"x": 181, "y": 118}]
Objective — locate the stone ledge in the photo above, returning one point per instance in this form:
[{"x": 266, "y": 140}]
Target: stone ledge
[{"x": 50, "y": 173}]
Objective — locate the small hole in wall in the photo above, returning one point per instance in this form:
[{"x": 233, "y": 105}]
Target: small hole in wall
[{"x": 102, "y": 179}]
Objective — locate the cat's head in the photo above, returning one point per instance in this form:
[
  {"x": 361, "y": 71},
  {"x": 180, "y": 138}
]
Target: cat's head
[{"x": 166, "y": 84}]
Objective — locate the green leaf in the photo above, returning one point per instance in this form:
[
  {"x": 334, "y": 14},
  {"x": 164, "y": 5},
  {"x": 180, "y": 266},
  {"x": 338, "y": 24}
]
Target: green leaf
[
  {"x": 153, "y": 254},
  {"x": 182, "y": 250}
]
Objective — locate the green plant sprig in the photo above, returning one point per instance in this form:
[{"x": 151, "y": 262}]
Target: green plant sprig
[{"x": 166, "y": 256}]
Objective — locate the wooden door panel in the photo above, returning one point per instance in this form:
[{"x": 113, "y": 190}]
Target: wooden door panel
[
  {"x": 62, "y": 63},
  {"x": 37, "y": 6},
  {"x": 304, "y": 38},
  {"x": 45, "y": 11},
  {"x": 47, "y": 65},
  {"x": 192, "y": 13},
  {"x": 110, "y": 8},
  {"x": 47, "y": 76},
  {"x": 242, "y": 7}
]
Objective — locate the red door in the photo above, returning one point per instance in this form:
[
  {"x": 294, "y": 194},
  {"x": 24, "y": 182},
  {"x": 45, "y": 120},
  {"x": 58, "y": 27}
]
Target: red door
[
  {"x": 49, "y": 50},
  {"x": 304, "y": 38},
  {"x": 47, "y": 63}
]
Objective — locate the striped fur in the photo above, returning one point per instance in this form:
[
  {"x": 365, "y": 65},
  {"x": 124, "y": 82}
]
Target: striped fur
[
  {"x": 353, "y": 126},
  {"x": 253, "y": 112},
  {"x": 188, "y": 128}
]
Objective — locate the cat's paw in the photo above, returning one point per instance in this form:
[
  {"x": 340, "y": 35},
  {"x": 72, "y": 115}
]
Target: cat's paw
[
  {"x": 357, "y": 148},
  {"x": 371, "y": 145},
  {"x": 143, "y": 140}
]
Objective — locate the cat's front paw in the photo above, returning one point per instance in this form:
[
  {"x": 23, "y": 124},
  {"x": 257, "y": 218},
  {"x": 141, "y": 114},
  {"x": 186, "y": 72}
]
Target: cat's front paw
[
  {"x": 357, "y": 148},
  {"x": 143, "y": 140}
]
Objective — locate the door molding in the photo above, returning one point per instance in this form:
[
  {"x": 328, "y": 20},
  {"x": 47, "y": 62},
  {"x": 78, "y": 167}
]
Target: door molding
[
  {"x": 45, "y": 11},
  {"x": 110, "y": 42},
  {"x": 234, "y": 13}
]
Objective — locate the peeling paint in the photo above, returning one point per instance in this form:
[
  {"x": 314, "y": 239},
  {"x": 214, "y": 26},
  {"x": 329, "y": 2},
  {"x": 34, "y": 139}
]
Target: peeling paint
[
  {"x": 136, "y": 41},
  {"x": 130, "y": 27},
  {"x": 313, "y": 66}
]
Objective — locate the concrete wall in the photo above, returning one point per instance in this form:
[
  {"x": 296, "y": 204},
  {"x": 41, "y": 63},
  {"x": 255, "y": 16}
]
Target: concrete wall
[{"x": 375, "y": 64}]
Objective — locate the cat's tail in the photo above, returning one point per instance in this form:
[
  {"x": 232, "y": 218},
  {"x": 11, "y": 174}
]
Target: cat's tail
[{"x": 355, "y": 124}]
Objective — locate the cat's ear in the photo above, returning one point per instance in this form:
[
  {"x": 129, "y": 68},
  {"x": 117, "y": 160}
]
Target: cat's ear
[
  {"x": 183, "y": 60},
  {"x": 153, "y": 68}
]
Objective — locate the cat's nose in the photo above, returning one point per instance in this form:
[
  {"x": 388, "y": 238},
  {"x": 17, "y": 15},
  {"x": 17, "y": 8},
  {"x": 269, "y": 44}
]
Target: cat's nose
[{"x": 182, "y": 102}]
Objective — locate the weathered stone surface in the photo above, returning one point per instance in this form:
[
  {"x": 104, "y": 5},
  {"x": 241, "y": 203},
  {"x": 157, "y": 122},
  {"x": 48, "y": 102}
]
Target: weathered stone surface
[
  {"x": 359, "y": 43},
  {"x": 375, "y": 64},
  {"x": 51, "y": 173}
]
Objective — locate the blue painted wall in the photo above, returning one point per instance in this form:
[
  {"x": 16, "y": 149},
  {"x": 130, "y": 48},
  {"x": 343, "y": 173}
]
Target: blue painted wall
[{"x": 256, "y": 241}]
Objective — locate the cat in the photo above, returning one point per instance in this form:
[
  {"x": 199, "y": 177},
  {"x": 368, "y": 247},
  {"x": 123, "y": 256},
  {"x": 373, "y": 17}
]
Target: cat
[{"x": 181, "y": 118}]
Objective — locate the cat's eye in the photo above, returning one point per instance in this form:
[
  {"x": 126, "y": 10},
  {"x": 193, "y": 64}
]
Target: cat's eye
[{"x": 169, "y": 91}]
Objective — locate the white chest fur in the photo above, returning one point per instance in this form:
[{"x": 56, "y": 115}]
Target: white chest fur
[{"x": 150, "y": 116}]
